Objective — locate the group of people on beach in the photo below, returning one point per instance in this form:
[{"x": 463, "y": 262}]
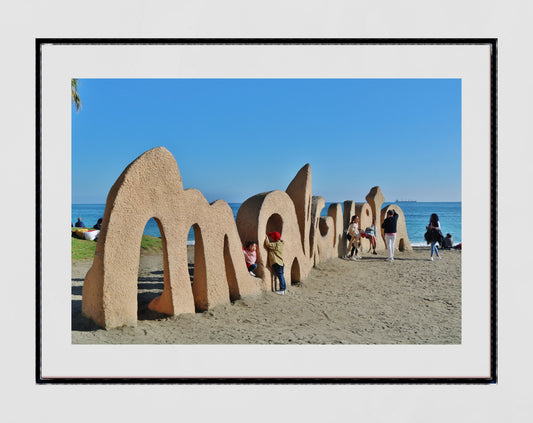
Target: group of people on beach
[
  {"x": 274, "y": 244},
  {"x": 433, "y": 236},
  {"x": 354, "y": 235}
]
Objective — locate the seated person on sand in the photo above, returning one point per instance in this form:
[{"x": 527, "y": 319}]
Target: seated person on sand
[
  {"x": 250, "y": 256},
  {"x": 98, "y": 225},
  {"x": 447, "y": 242},
  {"x": 79, "y": 223},
  {"x": 370, "y": 233}
]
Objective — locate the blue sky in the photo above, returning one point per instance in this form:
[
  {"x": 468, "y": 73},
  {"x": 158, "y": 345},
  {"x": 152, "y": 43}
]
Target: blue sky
[{"x": 234, "y": 138}]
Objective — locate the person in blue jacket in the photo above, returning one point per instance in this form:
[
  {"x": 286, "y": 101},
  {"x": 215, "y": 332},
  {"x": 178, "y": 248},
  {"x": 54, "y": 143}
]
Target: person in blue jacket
[{"x": 79, "y": 223}]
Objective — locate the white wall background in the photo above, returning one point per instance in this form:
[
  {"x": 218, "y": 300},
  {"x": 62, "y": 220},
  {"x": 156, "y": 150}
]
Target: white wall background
[{"x": 21, "y": 23}]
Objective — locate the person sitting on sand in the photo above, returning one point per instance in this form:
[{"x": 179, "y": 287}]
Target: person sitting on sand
[
  {"x": 275, "y": 258},
  {"x": 389, "y": 227},
  {"x": 447, "y": 243},
  {"x": 370, "y": 233},
  {"x": 98, "y": 225},
  {"x": 353, "y": 231},
  {"x": 250, "y": 256},
  {"x": 79, "y": 223}
]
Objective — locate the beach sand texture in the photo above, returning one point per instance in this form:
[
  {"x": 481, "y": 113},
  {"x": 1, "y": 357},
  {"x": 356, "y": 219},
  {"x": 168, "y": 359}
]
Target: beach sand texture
[{"x": 370, "y": 301}]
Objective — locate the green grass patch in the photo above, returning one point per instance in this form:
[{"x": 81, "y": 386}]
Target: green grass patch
[
  {"x": 151, "y": 244},
  {"x": 84, "y": 250}
]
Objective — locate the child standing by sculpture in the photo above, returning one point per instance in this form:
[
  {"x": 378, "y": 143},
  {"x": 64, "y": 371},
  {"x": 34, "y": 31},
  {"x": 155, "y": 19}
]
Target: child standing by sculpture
[
  {"x": 250, "y": 256},
  {"x": 275, "y": 258}
]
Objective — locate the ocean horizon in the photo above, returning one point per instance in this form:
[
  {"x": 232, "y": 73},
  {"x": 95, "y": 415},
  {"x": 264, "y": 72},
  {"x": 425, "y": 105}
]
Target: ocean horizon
[{"x": 416, "y": 218}]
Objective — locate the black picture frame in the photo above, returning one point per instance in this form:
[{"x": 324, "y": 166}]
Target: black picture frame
[{"x": 492, "y": 42}]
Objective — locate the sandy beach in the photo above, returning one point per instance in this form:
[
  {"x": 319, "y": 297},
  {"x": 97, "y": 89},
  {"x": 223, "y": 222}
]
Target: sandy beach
[{"x": 369, "y": 301}]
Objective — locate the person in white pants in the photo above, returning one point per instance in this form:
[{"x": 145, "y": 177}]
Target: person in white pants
[
  {"x": 389, "y": 227},
  {"x": 390, "y": 239}
]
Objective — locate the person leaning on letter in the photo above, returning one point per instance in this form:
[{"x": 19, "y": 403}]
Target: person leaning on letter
[{"x": 275, "y": 258}]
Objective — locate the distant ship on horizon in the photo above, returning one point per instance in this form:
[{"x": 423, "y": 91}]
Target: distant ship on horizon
[{"x": 405, "y": 201}]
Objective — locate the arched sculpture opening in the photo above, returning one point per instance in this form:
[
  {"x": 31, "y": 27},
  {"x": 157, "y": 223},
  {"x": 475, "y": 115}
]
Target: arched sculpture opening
[
  {"x": 151, "y": 287},
  {"x": 275, "y": 224},
  {"x": 295, "y": 272}
]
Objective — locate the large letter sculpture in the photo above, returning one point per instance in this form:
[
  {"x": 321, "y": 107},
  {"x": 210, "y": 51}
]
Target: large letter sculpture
[{"x": 151, "y": 187}]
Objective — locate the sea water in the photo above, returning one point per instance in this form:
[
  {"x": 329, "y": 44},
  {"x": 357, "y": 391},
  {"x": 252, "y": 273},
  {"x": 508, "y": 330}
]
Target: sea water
[{"x": 416, "y": 218}]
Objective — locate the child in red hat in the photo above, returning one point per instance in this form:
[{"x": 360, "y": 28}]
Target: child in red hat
[{"x": 275, "y": 258}]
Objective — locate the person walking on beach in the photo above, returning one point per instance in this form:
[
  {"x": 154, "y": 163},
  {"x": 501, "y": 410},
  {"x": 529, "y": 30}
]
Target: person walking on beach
[
  {"x": 389, "y": 227},
  {"x": 79, "y": 223},
  {"x": 275, "y": 258},
  {"x": 434, "y": 235},
  {"x": 250, "y": 256},
  {"x": 353, "y": 231}
]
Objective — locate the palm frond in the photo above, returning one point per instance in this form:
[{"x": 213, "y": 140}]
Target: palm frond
[{"x": 76, "y": 101}]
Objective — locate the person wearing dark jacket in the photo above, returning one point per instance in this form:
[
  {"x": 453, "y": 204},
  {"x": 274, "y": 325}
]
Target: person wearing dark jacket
[
  {"x": 79, "y": 223},
  {"x": 434, "y": 235},
  {"x": 389, "y": 227},
  {"x": 98, "y": 225}
]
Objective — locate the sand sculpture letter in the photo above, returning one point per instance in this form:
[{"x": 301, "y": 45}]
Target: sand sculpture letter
[
  {"x": 335, "y": 212},
  {"x": 151, "y": 186},
  {"x": 365, "y": 213},
  {"x": 317, "y": 205},
  {"x": 300, "y": 192},
  {"x": 402, "y": 240},
  {"x": 376, "y": 199}
]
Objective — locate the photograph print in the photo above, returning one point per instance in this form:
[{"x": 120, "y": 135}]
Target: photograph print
[{"x": 316, "y": 204}]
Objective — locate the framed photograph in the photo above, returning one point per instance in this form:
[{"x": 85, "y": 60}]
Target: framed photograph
[{"x": 413, "y": 119}]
